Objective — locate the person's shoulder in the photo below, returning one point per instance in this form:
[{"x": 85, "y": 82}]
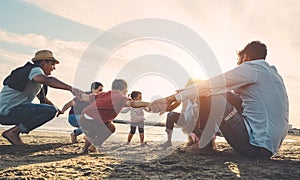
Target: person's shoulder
[
  {"x": 117, "y": 94},
  {"x": 37, "y": 70}
]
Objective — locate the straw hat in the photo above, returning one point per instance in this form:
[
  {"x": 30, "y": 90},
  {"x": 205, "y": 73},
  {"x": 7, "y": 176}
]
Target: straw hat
[{"x": 44, "y": 55}]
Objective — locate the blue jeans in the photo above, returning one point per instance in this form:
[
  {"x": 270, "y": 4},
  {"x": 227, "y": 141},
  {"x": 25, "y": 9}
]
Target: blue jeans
[
  {"x": 29, "y": 116},
  {"x": 73, "y": 120}
]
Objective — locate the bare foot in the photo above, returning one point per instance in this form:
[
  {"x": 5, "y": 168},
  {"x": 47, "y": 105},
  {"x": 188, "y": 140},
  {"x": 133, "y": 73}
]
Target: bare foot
[
  {"x": 143, "y": 144},
  {"x": 13, "y": 137},
  {"x": 73, "y": 138},
  {"x": 92, "y": 148},
  {"x": 88, "y": 146}
]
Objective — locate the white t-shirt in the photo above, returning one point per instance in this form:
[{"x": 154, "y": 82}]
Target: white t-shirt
[{"x": 136, "y": 114}]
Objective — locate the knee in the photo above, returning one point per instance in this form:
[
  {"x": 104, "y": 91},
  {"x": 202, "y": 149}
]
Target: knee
[
  {"x": 132, "y": 130},
  {"x": 51, "y": 111},
  {"x": 141, "y": 130},
  {"x": 170, "y": 116},
  {"x": 111, "y": 127}
]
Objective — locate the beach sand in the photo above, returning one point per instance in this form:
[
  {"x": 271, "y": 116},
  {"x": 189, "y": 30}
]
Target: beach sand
[{"x": 50, "y": 155}]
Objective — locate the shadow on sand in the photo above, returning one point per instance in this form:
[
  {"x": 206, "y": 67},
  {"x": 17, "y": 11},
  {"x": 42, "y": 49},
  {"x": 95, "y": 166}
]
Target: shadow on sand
[{"x": 13, "y": 156}]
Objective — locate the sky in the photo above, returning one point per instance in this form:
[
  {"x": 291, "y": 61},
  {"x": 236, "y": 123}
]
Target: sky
[{"x": 155, "y": 64}]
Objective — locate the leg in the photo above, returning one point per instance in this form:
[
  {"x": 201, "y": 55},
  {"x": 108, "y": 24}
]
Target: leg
[
  {"x": 141, "y": 137},
  {"x": 96, "y": 130},
  {"x": 130, "y": 135},
  {"x": 30, "y": 116},
  {"x": 13, "y": 136},
  {"x": 169, "y": 135},
  {"x": 172, "y": 118},
  {"x": 27, "y": 117},
  {"x": 208, "y": 117},
  {"x": 73, "y": 120},
  {"x": 233, "y": 126},
  {"x": 141, "y": 131},
  {"x": 86, "y": 146},
  {"x": 132, "y": 132},
  {"x": 236, "y": 134}
]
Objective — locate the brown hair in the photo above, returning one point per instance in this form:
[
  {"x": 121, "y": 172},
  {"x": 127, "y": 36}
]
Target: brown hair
[{"x": 254, "y": 50}]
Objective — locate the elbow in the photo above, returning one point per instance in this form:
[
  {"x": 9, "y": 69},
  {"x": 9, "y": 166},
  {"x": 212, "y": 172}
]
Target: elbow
[{"x": 47, "y": 81}]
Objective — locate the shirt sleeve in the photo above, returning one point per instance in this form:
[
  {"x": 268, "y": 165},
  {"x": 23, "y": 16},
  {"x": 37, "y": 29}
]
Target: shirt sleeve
[
  {"x": 126, "y": 109},
  {"x": 243, "y": 74},
  {"x": 34, "y": 72}
]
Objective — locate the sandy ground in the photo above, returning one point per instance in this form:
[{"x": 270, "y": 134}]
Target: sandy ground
[{"x": 51, "y": 156}]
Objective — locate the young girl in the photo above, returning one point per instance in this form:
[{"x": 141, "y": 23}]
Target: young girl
[{"x": 76, "y": 109}]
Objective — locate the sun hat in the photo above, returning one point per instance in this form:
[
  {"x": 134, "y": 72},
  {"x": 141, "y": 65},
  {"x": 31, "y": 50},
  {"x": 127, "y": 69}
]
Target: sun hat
[{"x": 44, "y": 55}]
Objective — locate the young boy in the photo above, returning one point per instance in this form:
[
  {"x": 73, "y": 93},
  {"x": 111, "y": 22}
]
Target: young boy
[
  {"x": 96, "y": 119},
  {"x": 137, "y": 117}
]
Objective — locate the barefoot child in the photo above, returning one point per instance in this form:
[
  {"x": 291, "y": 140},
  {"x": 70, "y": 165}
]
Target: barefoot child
[
  {"x": 137, "y": 117},
  {"x": 96, "y": 119}
]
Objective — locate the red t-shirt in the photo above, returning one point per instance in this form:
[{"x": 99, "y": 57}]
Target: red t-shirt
[{"x": 106, "y": 106}]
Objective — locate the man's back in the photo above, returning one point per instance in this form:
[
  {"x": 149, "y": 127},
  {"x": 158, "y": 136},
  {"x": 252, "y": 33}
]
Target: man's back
[{"x": 106, "y": 106}]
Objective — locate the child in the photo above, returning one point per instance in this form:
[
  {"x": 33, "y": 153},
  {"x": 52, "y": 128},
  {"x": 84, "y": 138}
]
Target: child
[
  {"x": 137, "y": 117},
  {"x": 76, "y": 109},
  {"x": 96, "y": 119}
]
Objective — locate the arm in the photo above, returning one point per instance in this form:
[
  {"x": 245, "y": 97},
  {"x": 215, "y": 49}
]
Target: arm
[
  {"x": 47, "y": 101},
  {"x": 173, "y": 105},
  {"x": 67, "y": 106},
  {"x": 164, "y": 104},
  {"x": 137, "y": 104},
  {"x": 55, "y": 83},
  {"x": 242, "y": 75},
  {"x": 147, "y": 109}
]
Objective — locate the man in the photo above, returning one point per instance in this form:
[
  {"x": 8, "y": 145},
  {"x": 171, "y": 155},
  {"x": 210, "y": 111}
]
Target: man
[
  {"x": 19, "y": 90},
  {"x": 259, "y": 129}
]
